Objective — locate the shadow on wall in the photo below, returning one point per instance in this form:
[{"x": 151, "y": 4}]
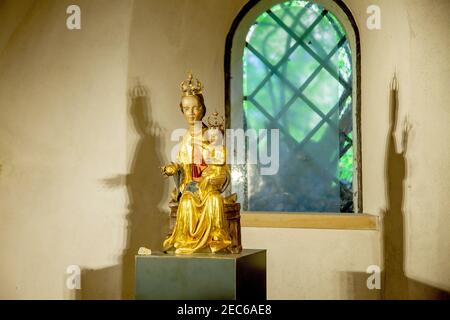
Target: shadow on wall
[
  {"x": 395, "y": 284},
  {"x": 146, "y": 224},
  {"x": 97, "y": 284},
  {"x": 353, "y": 286}
]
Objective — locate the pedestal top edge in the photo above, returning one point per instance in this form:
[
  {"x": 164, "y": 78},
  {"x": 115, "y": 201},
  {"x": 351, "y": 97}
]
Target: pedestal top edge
[{"x": 244, "y": 253}]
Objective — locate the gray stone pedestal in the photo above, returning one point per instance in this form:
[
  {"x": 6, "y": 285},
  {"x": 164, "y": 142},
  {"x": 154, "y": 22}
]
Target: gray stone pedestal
[{"x": 201, "y": 276}]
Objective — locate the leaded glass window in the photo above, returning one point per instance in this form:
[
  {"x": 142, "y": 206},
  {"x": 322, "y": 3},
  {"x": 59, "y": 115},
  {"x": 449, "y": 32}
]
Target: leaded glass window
[{"x": 297, "y": 78}]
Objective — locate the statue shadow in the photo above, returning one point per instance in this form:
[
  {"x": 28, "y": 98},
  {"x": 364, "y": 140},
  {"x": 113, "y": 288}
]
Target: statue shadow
[
  {"x": 146, "y": 223},
  {"x": 395, "y": 285}
]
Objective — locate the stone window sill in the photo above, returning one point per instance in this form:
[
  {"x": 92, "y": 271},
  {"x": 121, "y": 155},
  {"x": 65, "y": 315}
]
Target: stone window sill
[{"x": 308, "y": 220}]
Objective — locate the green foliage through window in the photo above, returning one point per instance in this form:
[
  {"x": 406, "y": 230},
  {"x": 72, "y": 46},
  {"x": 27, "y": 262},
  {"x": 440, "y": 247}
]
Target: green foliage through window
[{"x": 297, "y": 77}]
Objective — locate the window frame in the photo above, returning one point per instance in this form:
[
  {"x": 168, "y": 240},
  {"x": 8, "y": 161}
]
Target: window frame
[{"x": 234, "y": 49}]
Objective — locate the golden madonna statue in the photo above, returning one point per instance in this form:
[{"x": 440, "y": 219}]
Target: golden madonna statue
[{"x": 201, "y": 175}]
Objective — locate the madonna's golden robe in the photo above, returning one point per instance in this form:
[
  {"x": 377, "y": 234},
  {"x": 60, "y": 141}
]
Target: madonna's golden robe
[{"x": 200, "y": 215}]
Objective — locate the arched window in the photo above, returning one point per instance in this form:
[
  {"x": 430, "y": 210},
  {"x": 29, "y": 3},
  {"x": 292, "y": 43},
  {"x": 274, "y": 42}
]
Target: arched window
[{"x": 293, "y": 67}]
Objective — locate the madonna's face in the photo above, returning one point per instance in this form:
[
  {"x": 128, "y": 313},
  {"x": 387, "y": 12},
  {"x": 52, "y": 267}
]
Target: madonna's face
[{"x": 192, "y": 109}]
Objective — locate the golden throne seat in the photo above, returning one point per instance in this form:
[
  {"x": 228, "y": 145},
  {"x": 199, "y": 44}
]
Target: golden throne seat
[{"x": 232, "y": 223}]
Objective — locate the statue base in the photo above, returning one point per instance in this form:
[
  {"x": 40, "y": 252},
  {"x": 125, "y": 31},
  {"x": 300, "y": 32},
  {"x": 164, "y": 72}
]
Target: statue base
[{"x": 201, "y": 276}]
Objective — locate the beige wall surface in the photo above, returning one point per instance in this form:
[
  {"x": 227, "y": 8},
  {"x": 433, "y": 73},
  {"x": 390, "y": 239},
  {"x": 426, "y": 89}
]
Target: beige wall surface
[
  {"x": 414, "y": 42},
  {"x": 62, "y": 132},
  {"x": 428, "y": 184},
  {"x": 79, "y": 152}
]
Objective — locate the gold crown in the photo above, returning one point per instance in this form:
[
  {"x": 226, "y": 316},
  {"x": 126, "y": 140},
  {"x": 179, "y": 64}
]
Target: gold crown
[
  {"x": 191, "y": 87},
  {"x": 215, "y": 120}
]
